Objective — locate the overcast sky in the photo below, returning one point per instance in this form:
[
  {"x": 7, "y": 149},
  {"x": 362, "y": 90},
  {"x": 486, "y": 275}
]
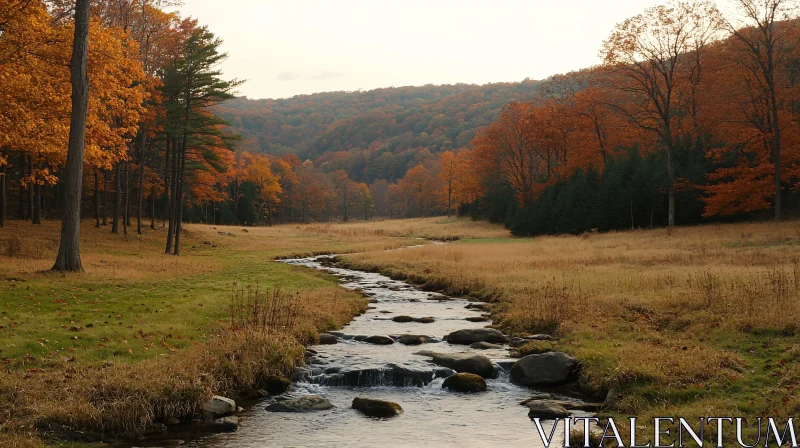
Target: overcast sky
[{"x": 290, "y": 47}]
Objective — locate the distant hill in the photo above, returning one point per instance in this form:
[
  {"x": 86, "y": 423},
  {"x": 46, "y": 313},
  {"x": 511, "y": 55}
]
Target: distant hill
[{"x": 377, "y": 134}]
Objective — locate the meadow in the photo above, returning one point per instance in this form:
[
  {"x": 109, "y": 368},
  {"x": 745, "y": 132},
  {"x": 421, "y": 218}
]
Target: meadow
[{"x": 697, "y": 321}]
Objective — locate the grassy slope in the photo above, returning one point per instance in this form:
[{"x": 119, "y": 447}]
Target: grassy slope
[
  {"x": 703, "y": 321},
  {"x": 148, "y": 313}
]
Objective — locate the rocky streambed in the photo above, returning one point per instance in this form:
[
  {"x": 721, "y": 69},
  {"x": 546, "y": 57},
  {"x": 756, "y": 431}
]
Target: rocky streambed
[{"x": 417, "y": 369}]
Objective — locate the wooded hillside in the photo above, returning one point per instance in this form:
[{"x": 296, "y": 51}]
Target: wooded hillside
[{"x": 377, "y": 134}]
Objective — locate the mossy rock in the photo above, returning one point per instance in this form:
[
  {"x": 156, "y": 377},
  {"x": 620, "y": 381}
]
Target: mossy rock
[
  {"x": 425, "y": 320},
  {"x": 377, "y": 408},
  {"x": 465, "y": 382},
  {"x": 276, "y": 385},
  {"x": 403, "y": 319}
]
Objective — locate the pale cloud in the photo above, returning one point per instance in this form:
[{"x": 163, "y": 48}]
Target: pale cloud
[
  {"x": 327, "y": 74},
  {"x": 287, "y": 76}
]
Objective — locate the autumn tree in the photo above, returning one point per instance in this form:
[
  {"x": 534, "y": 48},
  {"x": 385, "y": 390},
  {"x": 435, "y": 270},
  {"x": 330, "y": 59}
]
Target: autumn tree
[
  {"x": 257, "y": 170},
  {"x": 763, "y": 50},
  {"x": 347, "y": 191},
  {"x": 447, "y": 174},
  {"x": 508, "y": 148},
  {"x": 417, "y": 182},
  {"x": 653, "y": 58},
  {"x": 365, "y": 200}
]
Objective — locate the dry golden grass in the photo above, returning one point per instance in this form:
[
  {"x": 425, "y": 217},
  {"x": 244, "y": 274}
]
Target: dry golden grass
[
  {"x": 439, "y": 228},
  {"x": 748, "y": 274},
  {"x": 653, "y": 312}
]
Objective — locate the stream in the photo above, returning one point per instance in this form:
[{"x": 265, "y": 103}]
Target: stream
[{"x": 432, "y": 416}]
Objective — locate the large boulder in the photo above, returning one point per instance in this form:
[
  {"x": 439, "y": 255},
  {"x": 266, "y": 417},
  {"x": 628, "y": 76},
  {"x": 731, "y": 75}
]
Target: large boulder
[
  {"x": 228, "y": 424},
  {"x": 546, "y": 369},
  {"x": 377, "y": 408},
  {"x": 414, "y": 339},
  {"x": 379, "y": 340},
  {"x": 419, "y": 320},
  {"x": 470, "y": 336},
  {"x": 276, "y": 385},
  {"x": 328, "y": 339},
  {"x": 465, "y": 382},
  {"x": 218, "y": 407},
  {"x": 306, "y": 403},
  {"x": 464, "y": 363},
  {"x": 546, "y": 409}
]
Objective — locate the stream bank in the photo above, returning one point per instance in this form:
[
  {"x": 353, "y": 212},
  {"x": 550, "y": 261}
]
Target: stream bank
[{"x": 367, "y": 359}]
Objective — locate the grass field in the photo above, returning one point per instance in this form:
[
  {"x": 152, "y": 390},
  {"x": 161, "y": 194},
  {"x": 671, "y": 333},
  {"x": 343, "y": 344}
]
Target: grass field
[
  {"x": 141, "y": 336},
  {"x": 700, "y": 321}
]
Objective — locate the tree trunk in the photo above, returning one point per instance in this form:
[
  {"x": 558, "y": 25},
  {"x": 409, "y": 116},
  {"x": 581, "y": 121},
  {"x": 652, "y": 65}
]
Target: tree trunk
[
  {"x": 776, "y": 135},
  {"x": 126, "y": 217},
  {"x": 117, "y": 198},
  {"x": 96, "y": 199},
  {"x": 37, "y": 205},
  {"x": 179, "y": 203},
  {"x": 69, "y": 255},
  {"x": 171, "y": 207},
  {"x": 449, "y": 202},
  {"x": 3, "y": 205},
  {"x": 153, "y": 208},
  {"x": 671, "y": 181},
  {"x": 345, "y": 205},
  {"x": 127, "y": 197},
  {"x": 139, "y": 191},
  {"x": 179, "y": 224},
  {"x": 30, "y": 189},
  {"x": 105, "y": 197},
  {"x": 21, "y": 188}
]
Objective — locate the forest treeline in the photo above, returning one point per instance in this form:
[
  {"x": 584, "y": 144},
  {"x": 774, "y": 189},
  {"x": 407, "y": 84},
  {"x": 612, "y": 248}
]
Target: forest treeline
[{"x": 692, "y": 115}]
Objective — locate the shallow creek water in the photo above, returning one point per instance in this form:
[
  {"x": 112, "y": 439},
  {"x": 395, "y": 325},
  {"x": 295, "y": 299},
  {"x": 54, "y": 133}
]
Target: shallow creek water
[{"x": 433, "y": 416}]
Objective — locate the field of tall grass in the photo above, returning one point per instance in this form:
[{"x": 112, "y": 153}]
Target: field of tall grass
[
  {"x": 697, "y": 321},
  {"x": 142, "y": 337}
]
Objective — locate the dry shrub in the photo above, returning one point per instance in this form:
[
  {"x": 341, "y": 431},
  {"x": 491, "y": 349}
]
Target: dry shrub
[
  {"x": 577, "y": 438},
  {"x": 257, "y": 313},
  {"x": 14, "y": 440},
  {"x": 125, "y": 399},
  {"x": 542, "y": 308},
  {"x": 766, "y": 297},
  {"x": 658, "y": 362}
]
